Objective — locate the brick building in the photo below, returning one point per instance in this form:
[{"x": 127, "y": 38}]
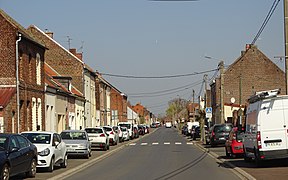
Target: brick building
[
  {"x": 70, "y": 67},
  {"x": 118, "y": 106},
  {"x": 251, "y": 72},
  {"x": 31, "y": 78}
]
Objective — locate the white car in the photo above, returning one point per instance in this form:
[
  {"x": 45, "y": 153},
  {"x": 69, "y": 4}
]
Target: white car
[
  {"x": 125, "y": 133},
  {"x": 117, "y": 129},
  {"x": 98, "y": 137},
  {"x": 51, "y": 149},
  {"x": 113, "y": 136}
]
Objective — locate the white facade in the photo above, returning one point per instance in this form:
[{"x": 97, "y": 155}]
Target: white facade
[
  {"x": 50, "y": 121},
  {"x": 90, "y": 104},
  {"x": 80, "y": 122},
  {"x": 132, "y": 116}
]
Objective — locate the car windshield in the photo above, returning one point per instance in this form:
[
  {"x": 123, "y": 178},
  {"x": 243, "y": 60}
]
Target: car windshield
[
  {"x": 125, "y": 125},
  {"x": 38, "y": 138},
  {"x": 3, "y": 143},
  {"x": 123, "y": 129},
  {"x": 107, "y": 128},
  {"x": 74, "y": 135},
  {"x": 239, "y": 136},
  {"x": 94, "y": 130},
  {"x": 222, "y": 128}
]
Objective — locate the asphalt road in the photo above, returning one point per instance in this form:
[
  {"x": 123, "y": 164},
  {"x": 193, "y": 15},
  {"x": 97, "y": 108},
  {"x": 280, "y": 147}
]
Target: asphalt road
[{"x": 163, "y": 154}]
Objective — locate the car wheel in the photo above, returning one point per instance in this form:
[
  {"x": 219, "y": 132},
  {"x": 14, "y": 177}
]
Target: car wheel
[
  {"x": 32, "y": 169},
  {"x": 64, "y": 163},
  {"x": 246, "y": 159},
  {"x": 105, "y": 147},
  {"x": 5, "y": 174},
  {"x": 51, "y": 167},
  {"x": 90, "y": 153}
]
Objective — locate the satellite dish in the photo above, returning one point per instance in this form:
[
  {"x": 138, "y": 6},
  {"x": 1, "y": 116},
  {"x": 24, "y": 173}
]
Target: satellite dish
[{"x": 232, "y": 100}]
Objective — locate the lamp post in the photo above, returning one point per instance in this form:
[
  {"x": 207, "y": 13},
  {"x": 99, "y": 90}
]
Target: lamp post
[{"x": 285, "y": 2}]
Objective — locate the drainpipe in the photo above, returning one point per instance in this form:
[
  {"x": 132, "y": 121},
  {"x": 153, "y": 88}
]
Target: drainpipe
[{"x": 17, "y": 84}]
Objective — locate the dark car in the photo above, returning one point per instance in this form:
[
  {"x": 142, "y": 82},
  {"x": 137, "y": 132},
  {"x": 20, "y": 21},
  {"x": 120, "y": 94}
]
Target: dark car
[
  {"x": 141, "y": 130},
  {"x": 185, "y": 130},
  {"x": 196, "y": 133},
  {"x": 17, "y": 155},
  {"x": 219, "y": 133}
]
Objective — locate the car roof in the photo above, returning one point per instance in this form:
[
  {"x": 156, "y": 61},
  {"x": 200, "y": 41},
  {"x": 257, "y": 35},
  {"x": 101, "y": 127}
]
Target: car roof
[
  {"x": 42, "y": 132},
  {"x": 73, "y": 130}
]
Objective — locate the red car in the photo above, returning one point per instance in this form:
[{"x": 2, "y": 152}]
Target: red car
[{"x": 234, "y": 145}]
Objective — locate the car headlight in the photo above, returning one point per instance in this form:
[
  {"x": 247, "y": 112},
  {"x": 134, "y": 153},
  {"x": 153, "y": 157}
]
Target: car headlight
[{"x": 45, "y": 152}]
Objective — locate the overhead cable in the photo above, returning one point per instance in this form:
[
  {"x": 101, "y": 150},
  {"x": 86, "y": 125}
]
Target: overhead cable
[
  {"x": 270, "y": 13},
  {"x": 157, "y": 77}
]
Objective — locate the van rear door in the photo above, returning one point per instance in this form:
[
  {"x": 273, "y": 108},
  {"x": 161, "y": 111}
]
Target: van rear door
[{"x": 272, "y": 124}]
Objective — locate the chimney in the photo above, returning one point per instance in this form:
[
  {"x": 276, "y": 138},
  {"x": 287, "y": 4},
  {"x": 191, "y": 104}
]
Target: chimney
[
  {"x": 248, "y": 46},
  {"x": 50, "y": 34},
  {"x": 73, "y": 51},
  {"x": 79, "y": 56}
]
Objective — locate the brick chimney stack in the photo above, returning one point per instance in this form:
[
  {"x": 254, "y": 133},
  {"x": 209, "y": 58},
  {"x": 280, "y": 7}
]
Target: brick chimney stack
[{"x": 73, "y": 51}]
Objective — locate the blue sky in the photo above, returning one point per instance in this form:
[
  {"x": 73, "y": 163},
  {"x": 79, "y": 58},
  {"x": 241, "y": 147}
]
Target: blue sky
[{"x": 146, "y": 38}]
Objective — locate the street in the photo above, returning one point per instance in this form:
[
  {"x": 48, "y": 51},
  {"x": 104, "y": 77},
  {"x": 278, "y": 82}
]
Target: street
[{"x": 163, "y": 154}]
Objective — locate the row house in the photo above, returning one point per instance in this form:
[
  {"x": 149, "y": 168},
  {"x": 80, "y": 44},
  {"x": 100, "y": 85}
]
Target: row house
[
  {"x": 251, "y": 72},
  {"x": 132, "y": 116},
  {"x": 90, "y": 96},
  {"x": 144, "y": 115},
  {"x": 21, "y": 78},
  {"x": 118, "y": 106},
  {"x": 70, "y": 67},
  {"x": 61, "y": 99},
  {"x": 103, "y": 99}
]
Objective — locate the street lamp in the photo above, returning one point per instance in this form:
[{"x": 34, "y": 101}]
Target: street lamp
[{"x": 17, "y": 84}]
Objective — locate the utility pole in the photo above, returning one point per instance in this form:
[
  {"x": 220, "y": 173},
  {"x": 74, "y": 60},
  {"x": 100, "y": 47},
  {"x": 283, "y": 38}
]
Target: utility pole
[
  {"x": 286, "y": 41},
  {"x": 221, "y": 68},
  {"x": 193, "y": 99},
  {"x": 203, "y": 138}
]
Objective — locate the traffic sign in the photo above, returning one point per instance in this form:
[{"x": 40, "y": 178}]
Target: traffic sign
[{"x": 208, "y": 111}]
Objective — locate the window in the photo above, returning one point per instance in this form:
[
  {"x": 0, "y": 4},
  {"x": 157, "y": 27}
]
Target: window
[
  {"x": 34, "y": 123},
  {"x": 38, "y": 69},
  {"x": 22, "y": 142}
]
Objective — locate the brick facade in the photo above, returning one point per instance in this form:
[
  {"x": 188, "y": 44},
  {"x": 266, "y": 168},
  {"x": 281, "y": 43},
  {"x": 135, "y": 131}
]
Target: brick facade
[
  {"x": 119, "y": 103},
  {"x": 63, "y": 61},
  {"x": 30, "y": 51},
  {"x": 251, "y": 72}
]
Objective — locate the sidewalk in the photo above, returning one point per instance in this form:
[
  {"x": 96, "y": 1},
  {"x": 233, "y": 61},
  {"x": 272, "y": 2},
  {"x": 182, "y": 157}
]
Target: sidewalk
[{"x": 217, "y": 155}]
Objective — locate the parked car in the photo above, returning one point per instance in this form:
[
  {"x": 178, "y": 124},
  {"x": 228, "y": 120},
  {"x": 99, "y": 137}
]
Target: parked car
[
  {"x": 265, "y": 137},
  {"x": 141, "y": 130},
  {"x": 129, "y": 127},
  {"x": 136, "y": 131},
  {"x": 125, "y": 133},
  {"x": 17, "y": 155},
  {"x": 153, "y": 125},
  {"x": 219, "y": 133},
  {"x": 113, "y": 136},
  {"x": 51, "y": 149},
  {"x": 196, "y": 133},
  {"x": 234, "y": 145},
  {"x": 98, "y": 138},
  {"x": 147, "y": 129},
  {"x": 77, "y": 142},
  {"x": 185, "y": 130},
  {"x": 117, "y": 129}
]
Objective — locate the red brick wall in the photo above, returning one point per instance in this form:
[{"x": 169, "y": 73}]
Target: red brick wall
[
  {"x": 118, "y": 102},
  {"x": 61, "y": 60},
  {"x": 27, "y": 73}
]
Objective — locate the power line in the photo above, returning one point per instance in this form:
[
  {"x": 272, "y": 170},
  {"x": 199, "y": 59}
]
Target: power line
[
  {"x": 163, "y": 91},
  {"x": 157, "y": 77},
  {"x": 270, "y": 13},
  {"x": 163, "y": 94}
]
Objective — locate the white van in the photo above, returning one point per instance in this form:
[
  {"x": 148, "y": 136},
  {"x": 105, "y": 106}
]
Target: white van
[
  {"x": 266, "y": 131},
  {"x": 129, "y": 127}
]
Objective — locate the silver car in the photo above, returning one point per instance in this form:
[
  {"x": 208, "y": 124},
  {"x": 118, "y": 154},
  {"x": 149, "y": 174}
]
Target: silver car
[{"x": 77, "y": 142}]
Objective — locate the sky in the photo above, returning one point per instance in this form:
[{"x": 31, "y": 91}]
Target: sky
[{"x": 142, "y": 38}]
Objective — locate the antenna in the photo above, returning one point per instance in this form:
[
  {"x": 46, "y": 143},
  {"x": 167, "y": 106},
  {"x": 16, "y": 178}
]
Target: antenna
[
  {"x": 81, "y": 47},
  {"x": 69, "y": 41}
]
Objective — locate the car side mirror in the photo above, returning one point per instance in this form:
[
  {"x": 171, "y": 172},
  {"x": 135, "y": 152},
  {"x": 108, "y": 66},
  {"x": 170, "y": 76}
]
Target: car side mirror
[
  {"x": 56, "y": 143},
  {"x": 14, "y": 149}
]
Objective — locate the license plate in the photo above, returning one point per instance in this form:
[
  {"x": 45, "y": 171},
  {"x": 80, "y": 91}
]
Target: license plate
[
  {"x": 275, "y": 144},
  {"x": 70, "y": 149},
  {"x": 222, "y": 138}
]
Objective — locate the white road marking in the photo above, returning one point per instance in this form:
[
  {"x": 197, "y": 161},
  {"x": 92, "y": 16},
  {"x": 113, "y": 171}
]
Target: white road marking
[
  {"x": 189, "y": 142},
  {"x": 178, "y": 143},
  {"x": 155, "y": 143},
  {"x": 144, "y": 144},
  {"x": 132, "y": 144},
  {"x": 166, "y": 143}
]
